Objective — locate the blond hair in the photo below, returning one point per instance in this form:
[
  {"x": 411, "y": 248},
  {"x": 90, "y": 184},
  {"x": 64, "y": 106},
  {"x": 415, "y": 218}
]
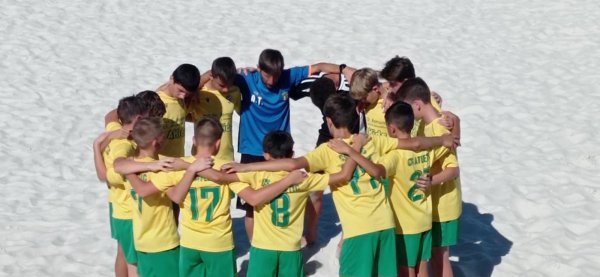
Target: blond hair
[{"x": 363, "y": 81}]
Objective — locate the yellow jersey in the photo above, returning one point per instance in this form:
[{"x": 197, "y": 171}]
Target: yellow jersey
[
  {"x": 154, "y": 227},
  {"x": 278, "y": 225},
  {"x": 117, "y": 194},
  {"x": 362, "y": 204},
  {"x": 446, "y": 197},
  {"x": 221, "y": 107},
  {"x": 375, "y": 117},
  {"x": 205, "y": 216},
  {"x": 174, "y": 126},
  {"x": 418, "y": 125}
]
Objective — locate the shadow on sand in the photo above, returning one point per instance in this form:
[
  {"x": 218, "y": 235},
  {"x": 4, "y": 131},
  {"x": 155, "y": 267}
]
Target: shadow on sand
[{"x": 480, "y": 247}]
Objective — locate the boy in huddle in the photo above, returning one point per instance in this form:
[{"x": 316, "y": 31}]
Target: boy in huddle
[
  {"x": 446, "y": 189},
  {"x": 219, "y": 98},
  {"x": 265, "y": 106},
  {"x": 129, "y": 111},
  {"x": 362, "y": 205},
  {"x": 207, "y": 247},
  {"x": 279, "y": 224},
  {"x": 154, "y": 228},
  {"x": 409, "y": 196}
]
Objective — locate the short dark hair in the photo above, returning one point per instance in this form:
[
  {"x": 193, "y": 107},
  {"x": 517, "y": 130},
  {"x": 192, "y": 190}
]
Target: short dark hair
[
  {"x": 320, "y": 90},
  {"x": 398, "y": 69},
  {"x": 146, "y": 130},
  {"x": 401, "y": 115},
  {"x": 207, "y": 131},
  {"x": 413, "y": 89},
  {"x": 341, "y": 108},
  {"x": 129, "y": 107},
  {"x": 151, "y": 103},
  {"x": 224, "y": 68},
  {"x": 279, "y": 144},
  {"x": 271, "y": 61},
  {"x": 188, "y": 76}
]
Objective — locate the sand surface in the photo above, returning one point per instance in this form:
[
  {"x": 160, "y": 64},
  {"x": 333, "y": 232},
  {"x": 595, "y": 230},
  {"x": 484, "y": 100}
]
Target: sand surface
[{"x": 522, "y": 75}]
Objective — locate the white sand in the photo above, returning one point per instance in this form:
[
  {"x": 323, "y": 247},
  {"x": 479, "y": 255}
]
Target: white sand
[{"x": 523, "y": 76}]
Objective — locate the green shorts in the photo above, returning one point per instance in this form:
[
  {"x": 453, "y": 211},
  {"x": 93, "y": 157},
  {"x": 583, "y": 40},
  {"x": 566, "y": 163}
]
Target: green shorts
[
  {"x": 159, "y": 264},
  {"x": 372, "y": 254},
  {"x": 444, "y": 233},
  {"x": 194, "y": 262},
  {"x": 264, "y": 263},
  {"x": 113, "y": 233},
  {"x": 413, "y": 248},
  {"x": 123, "y": 233}
]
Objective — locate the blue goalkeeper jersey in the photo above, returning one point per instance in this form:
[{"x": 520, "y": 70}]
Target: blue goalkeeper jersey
[{"x": 265, "y": 109}]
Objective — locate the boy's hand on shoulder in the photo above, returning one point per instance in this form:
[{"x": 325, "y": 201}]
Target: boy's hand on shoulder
[
  {"x": 160, "y": 165},
  {"x": 201, "y": 164},
  {"x": 296, "y": 176},
  {"x": 359, "y": 140},
  {"x": 340, "y": 146},
  {"x": 447, "y": 120},
  {"x": 450, "y": 141},
  {"x": 232, "y": 167},
  {"x": 246, "y": 70},
  {"x": 424, "y": 181}
]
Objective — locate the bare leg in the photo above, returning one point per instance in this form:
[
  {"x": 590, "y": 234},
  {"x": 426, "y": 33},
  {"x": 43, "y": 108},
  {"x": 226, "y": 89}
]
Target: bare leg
[
  {"x": 249, "y": 223},
  {"x": 313, "y": 210},
  {"x": 406, "y": 271},
  {"x": 120, "y": 264},
  {"x": 422, "y": 269},
  {"x": 132, "y": 270},
  {"x": 440, "y": 262}
]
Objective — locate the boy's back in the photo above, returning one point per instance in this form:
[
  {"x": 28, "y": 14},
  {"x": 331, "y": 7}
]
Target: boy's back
[
  {"x": 154, "y": 225},
  {"x": 206, "y": 219},
  {"x": 118, "y": 195},
  {"x": 364, "y": 197},
  {"x": 279, "y": 223},
  {"x": 446, "y": 198}
]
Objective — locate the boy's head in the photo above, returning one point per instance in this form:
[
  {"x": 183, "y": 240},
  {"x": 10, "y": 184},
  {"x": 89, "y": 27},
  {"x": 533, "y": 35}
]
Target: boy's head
[
  {"x": 320, "y": 90},
  {"x": 365, "y": 87},
  {"x": 278, "y": 145},
  {"x": 399, "y": 119},
  {"x": 270, "y": 65},
  {"x": 208, "y": 132},
  {"x": 151, "y": 103},
  {"x": 186, "y": 79},
  {"x": 148, "y": 132},
  {"x": 129, "y": 110},
  {"x": 416, "y": 93},
  {"x": 223, "y": 71},
  {"x": 340, "y": 112},
  {"x": 396, "y": 71}
]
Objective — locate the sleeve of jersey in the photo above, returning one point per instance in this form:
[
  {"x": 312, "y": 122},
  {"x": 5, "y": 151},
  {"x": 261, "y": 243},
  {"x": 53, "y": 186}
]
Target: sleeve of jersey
[
  {"x": 236, "y": 187},
  {"x": 118, "y": 150},
  {"x": 390, "y": 162},
  {"x": 164, "y": 180},
  {"x": 112, "y": 126},
  {"x": 450, "y": 161},
  {"x": 385, "y": 144},
  {"x": 315, "y": 182},
  {"x": 317, "y": 159},
  {"x": 236, "y": 98},
  {"x": 248, "y": 178}
]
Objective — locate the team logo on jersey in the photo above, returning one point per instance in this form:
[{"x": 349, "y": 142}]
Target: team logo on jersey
[{"x": 285, "y": 95}]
